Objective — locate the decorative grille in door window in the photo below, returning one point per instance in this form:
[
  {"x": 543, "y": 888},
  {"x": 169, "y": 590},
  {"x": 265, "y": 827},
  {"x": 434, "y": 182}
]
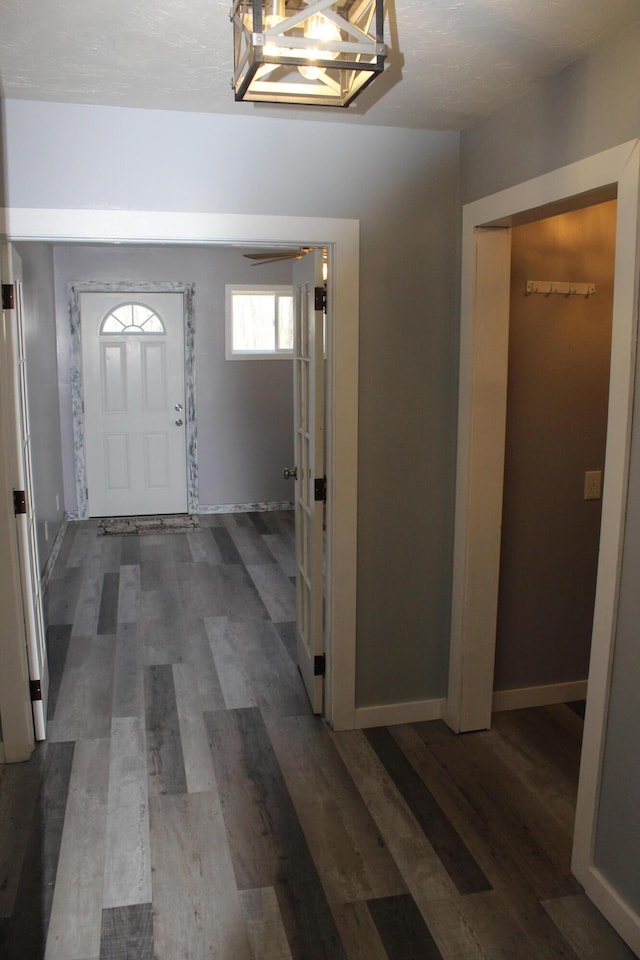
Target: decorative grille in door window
[{"x": 131, "y": 318}]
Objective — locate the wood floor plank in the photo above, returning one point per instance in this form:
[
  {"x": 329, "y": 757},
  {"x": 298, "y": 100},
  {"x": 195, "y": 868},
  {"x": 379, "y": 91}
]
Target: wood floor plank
[
  {"x": 87, "y": 610},
  {"x": 254, "y": 668},
  {"x": 61, "y": 598},
  {"x": 58, "y": 638},
  {"x": 129, "y": 593},
  {"x": 350, "y": 855},
  {"x": 19, "y": 784},
  {"x": 586, "y": 930},
  {"x": 127, "y": 863},
  {"x": 128, "y": 678},
  {"x": 248, "y": 542},
  {"x": 276, "y": 591},
  {"x": 422, "y": 869},
  {"x": 198, "y": 765},
  {"x": 402, "y": 929},
  {"x": 108, "y": 615},
  {"x": 443, "y": 837},
  {"x": 225, "y": 545},
  {"x": 83, "y": 711},
  {"x": 263, "y": 920},
  {"x": 280, "y": 547},
  {"x": 358, "y": 932},
  {"x": 24, "y": 934},
  {"x": 500, "y": 799},
  {"x": 165, "y": 762},
  {"x": 76, "y": 915},
  {"x": 127, "y": 933},
  {"x": 199, "y": 917},
  {"x": 268, "y": 847},
  {"x": 224, "y": 590}
]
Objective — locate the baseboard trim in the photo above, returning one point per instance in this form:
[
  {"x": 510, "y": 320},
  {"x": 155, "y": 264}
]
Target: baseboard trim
[
  {"x": 539, "y": 696},
  {"x": 617, "y": 911},
  {"x": 391, "y": 714},
  {"x": 264, "y": 506},
  {"x": 53, "y": 556}
]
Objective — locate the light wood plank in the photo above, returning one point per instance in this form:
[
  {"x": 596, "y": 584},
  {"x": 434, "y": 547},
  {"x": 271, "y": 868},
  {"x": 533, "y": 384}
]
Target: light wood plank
[
  {"x": 127, "y": 866},
  {"x": 129, "y": 593},
  {"x": 199, "y": 917},
  {"x": 276, "y": 591},
  {"x": 198, "y": 765},
  {"x": 358, "y": 932},
  {"x": 76, "y": 914},
  {"x": 584, "y": 927},
  {"x": 350, "y": 855},
  {"x": 265, "y": 929},
  {"x": 83, "y": 711}
]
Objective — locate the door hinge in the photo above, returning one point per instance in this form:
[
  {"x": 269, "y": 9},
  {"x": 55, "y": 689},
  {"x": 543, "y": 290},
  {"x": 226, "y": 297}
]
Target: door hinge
[
  {"x": 319, "y": 665},
  {"x": 35, "y": 689},
  {"x": 8, "y": 299},
  {"x": 320, "y": 489},
  {"x": 19, "y": 502},
  {"x": 321, "y": 298}
]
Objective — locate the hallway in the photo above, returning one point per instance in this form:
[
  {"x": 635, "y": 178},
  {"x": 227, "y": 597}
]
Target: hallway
[{"x": 188, "y": 806}]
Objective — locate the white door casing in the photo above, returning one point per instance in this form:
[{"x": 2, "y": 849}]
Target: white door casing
[
  {"x": 23, "y": 481},
  {"x": 308, "y": 406},
  {"x": 134, "y": 404}
]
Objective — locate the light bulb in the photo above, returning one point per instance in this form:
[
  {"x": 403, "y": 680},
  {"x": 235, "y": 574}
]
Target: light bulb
[{"x": 319, "y": 28}]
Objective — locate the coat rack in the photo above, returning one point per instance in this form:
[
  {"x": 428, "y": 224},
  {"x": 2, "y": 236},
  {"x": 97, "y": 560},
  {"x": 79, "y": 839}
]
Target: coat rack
[{"x": 562, "y": 287}]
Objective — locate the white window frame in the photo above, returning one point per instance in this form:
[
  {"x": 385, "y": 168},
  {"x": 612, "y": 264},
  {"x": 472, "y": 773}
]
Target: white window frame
[{"x": 248, "y": 288}]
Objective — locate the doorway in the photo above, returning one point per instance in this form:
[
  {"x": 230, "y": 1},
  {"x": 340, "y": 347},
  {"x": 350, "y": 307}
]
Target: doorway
[
  {"x": 481, "y": 424},
  {"x": 556, "y": 424},
  {"x": 341, "y": 239}
]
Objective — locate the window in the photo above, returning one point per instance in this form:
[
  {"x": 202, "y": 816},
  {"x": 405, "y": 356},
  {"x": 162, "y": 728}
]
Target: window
[
  {"x": 259, "y": 322},
  {"x": 132, "y": 318}
]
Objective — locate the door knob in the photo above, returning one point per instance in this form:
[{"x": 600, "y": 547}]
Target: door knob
[
  {"x": 290, "y": 474},
  {"x": 178, "y": 422},
  {"x": 178, "y": 407}
]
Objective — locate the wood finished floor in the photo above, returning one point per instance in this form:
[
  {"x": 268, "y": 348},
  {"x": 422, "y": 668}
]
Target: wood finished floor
[{"x": 187, "y": 805}]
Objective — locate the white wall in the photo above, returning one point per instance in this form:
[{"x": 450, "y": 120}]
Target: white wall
[
  {"x": 403, "y": 187},
  {"x": 244, "y": 408}
]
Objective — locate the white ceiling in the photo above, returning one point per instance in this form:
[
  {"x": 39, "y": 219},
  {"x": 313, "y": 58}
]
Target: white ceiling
[{"x": 451, "y": 62}]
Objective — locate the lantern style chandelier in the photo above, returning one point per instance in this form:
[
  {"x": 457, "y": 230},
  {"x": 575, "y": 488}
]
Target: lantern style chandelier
[{"x": 321, "y": 52}]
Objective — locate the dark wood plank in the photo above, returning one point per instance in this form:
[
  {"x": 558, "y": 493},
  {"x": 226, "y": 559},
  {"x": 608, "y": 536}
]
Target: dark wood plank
[
  {"x": 19, "y": 784},
  {"x": 226, "y": 546},
  {"x": 58, "y": 637},
  {"x": 108, "y": 616},
  {"x": 268, "y": 847},
  {"x": 402, "y": 930},
  {"x": 24, "y": 935},
  {"x": 458, "y": 861},
  {"x": 257, "y": 519},
  {"x": 127, "y": 933},
  {"x": 165, "y": 763}
]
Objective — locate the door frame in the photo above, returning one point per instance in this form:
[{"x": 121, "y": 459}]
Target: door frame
[
  {"x": 341, "y": 238},
  {"x": 481, "y": 437},
  {"x": 187, "y": 289}
]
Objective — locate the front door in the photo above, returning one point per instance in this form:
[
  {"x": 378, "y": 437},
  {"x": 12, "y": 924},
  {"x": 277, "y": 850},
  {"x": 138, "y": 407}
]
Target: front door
[
  {"x": 308, "y": 396},
  {"x": 134, "y": 398}
]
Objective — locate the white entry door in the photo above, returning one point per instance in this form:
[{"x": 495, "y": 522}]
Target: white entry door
[
  {"x": 308, "y": 398},
  {"x": 134, "y": 400},
  {"x": 23, "y": 484}
]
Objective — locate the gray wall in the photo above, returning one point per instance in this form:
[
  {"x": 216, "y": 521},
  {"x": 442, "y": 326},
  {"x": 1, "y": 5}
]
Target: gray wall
[
  {"x": 557, "y": 400},
  {"x": 587, "y": 108},
  {"x": 403, "y": 187},
  {"x": 42, "y": 381},
  {"x": 244, "y": 408}
]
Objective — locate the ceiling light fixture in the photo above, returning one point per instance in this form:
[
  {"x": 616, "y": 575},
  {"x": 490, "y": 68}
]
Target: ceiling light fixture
[{"x": 321, "y": 52}]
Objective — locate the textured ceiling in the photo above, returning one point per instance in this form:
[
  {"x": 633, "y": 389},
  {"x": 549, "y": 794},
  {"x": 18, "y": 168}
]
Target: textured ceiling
[{"x": 451, "y": 62}]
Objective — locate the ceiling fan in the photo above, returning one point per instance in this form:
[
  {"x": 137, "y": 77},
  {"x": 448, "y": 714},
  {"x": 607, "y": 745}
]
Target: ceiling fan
[{"x": 274, "y": 256}]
